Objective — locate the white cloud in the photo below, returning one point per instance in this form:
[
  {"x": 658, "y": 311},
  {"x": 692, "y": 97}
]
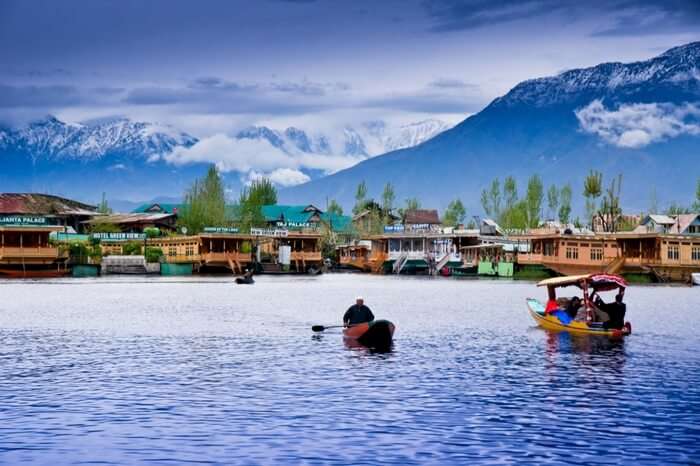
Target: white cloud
[
  {"x": 254, "y": 158},
  {"x": 638, "y": 125},
  {"x": 281, "y": 176}
]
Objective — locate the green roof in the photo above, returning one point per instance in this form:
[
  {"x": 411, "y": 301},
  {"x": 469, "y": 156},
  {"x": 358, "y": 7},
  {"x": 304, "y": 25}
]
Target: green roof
[
  {"x": 339, "y": 223},
  {"x": 289, "y": 213},
  {"x": 159, "y": 207}
]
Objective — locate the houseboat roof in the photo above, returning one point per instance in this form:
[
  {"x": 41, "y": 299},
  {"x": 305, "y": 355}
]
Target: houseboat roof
[
  {"x": 120, "y": 219},
  {"x": 682, "y": 223},
  {"x": 422, "y": 216},
  {"x": 42, "y": 204}
]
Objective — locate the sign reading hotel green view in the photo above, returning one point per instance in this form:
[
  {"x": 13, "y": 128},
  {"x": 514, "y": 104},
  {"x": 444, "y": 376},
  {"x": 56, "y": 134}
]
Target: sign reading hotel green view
[
  {"x": 220, "y": 230},
  {"x": 119, "y": 236},
  {"x": 22, "y": 220}
]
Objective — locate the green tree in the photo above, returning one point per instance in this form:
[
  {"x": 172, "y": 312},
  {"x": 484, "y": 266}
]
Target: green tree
[
  {"x": 103, "y": 227},
  {"x": 592, "y": 189},
  {"x": 553, "y": 201},
  {"x": 491, "y": 200},
  {"x": 103, "y": 207},
  {"x": 455, "y": 213},
  {"x": 360, "y": 196},
  {"x": 653, "y": 202},
  {"x": 205, "y": 203},
  {"x": 334, "y": 208},
  {"x": 388, "y": 197},
  {"x": 565, "y": 205},
  {"x": 252, "y": 198},
  {"x": 610, "y": 210},
  {"x": 510, "y": 192},
  {"x": 533, "y": 200}
]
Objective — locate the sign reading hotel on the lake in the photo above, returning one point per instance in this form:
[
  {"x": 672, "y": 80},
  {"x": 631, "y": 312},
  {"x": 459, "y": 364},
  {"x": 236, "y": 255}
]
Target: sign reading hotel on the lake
[
  {"x": 22, "y": 220},
  {"x": 119, "y": 236},
  {"x": 220, "y": 230},
  {"x": 270, "y": 232}
]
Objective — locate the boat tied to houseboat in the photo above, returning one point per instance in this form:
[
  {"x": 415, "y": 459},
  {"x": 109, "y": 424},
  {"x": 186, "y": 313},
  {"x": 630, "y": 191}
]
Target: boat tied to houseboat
[{"x": 554, "y": 315}]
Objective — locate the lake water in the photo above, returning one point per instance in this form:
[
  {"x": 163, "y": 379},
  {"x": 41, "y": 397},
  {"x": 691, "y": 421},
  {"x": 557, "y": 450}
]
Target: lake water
[{"x": 177, "y": 370}]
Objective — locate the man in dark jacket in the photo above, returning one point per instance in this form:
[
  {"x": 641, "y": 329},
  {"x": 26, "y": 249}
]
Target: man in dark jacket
[
  {"x": 358, "y": 313},
  {"x": 616, "y": 311}
]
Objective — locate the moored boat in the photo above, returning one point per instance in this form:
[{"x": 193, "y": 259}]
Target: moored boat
[
  {"x": 374, "y": 334},
  {"x": 695, "y": 277},
  {"x": 552, "y": 317}
]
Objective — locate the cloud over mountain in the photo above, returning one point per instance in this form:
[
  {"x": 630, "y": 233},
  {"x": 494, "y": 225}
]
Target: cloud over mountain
[{"x": 638, "y": 125}]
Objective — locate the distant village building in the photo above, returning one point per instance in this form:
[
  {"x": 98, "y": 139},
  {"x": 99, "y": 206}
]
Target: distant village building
[
  {"x": 422, "y": 219},
  {"x": 655, "y": 223}
]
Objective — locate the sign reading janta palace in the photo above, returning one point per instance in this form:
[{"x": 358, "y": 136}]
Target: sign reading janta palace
[{"x": 22, "y": 220}]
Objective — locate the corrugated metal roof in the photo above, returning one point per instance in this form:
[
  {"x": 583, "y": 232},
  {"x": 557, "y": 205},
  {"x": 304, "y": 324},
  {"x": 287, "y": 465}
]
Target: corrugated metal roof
[
  {"x": 42, "y": 204},
  {"x": 129, "y": 218}
]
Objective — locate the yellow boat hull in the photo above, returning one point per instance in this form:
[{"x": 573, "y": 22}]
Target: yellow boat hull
[{"x": 551, "y": 322}]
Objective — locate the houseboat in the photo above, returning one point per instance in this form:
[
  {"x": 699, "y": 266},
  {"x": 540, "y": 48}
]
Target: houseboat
[
  {"x": 26, "y": 252},
  {"x": 658, "y": 256},
  {"x": 224, "y": 248}
]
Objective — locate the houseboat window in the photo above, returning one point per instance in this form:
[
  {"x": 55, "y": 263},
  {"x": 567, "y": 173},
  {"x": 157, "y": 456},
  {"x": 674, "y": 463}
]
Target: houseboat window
[
  {"x": 417, "y": 245},
  {"x": 572, "y": 253},
  {"x": 189, "y": 250},
  {"x": 394, "y": 245},
  {"x": 548, "y": 249},
  {"x": 695, "y": 254},
  {"x": 596, "y": 254},
  {"x": 673, "y": 253},
  {"x": 172, "y": 251}
]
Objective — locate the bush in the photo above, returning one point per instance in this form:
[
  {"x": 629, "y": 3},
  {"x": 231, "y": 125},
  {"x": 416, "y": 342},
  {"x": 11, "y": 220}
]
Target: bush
[
  {"x": 246, "y": 247},
  {"x": 153, "y": 254},
  {"x": 132, "y": 248}
]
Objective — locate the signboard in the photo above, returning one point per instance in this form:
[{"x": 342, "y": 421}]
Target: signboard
[
  {"x": 273, "y": 233},
  {"x": 302, "y": 225},
  {"x": 220, "y": 230},
  {"x": 393, "y": 228},
  {"x": 119, "y": 236},
  {"x": 22, "y": 220}
]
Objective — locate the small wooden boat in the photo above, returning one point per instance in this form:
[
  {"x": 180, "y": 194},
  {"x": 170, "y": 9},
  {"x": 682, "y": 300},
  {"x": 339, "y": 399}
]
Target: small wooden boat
[
  {"x": 245, "y": 280},
  {"x": 695, "y": 277},
  {"x": 375, "y": 334},
  {"x": 557, "y": 320}
]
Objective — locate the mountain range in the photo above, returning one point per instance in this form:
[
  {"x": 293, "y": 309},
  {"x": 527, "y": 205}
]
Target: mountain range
[
  {"x": 128, "y": 158},
  {"x": 639, "y": 119}
]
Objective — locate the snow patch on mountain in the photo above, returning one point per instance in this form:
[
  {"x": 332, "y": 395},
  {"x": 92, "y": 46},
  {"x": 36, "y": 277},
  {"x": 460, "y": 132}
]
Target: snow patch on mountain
[{"x": 53, "y": 139}]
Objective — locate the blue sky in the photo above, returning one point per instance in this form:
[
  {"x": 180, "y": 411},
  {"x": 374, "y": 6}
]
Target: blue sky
[{"x": 212, "y": 66}]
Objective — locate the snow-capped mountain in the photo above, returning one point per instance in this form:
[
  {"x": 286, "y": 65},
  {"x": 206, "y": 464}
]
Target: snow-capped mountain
[
  {"x": 641, "y": 120},
  {"x": 368, "y": 139},
  {"x": 53, "y": 139}
]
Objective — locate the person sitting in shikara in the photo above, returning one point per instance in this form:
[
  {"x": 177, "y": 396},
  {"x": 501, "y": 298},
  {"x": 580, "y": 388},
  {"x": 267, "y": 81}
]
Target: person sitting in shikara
[
  {"x": 616, "y": 312},
  {"x": 573, "y": 307},
  {"x": 358, "y": 313}
]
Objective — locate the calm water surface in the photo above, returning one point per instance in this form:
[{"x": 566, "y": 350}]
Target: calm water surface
[{"x": 172, "y": 370}]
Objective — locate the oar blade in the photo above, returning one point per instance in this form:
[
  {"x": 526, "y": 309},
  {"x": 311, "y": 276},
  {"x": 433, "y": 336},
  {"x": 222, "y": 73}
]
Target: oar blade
[{"x": 318, "y": 328}]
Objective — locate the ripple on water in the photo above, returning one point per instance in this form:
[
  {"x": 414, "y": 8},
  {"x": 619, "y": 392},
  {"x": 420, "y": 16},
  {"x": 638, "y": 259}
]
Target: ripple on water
[{"x": 196, "y": 370}]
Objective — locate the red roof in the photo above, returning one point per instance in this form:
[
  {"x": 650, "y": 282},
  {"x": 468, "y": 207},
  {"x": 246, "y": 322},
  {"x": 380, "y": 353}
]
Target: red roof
[
  {"x": 42, "y": 204},
  {"x": 421, "y": 216}
]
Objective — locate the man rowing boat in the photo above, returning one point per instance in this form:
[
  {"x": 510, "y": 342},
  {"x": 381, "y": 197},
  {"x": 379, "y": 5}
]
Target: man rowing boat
[{"x": 358, "y": 313}]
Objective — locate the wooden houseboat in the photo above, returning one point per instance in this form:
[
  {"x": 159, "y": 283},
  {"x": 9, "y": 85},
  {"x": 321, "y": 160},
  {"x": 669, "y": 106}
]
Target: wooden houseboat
[
  {"x": 233, "y": 251},
  {"x": 355, "y": 255},
  {"x": 25, "y": 251},
  {"x": 663, "y": 257}
]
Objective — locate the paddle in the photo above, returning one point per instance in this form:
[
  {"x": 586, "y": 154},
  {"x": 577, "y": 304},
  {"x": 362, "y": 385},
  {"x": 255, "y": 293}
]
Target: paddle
[{"x": 321, "y": 328}]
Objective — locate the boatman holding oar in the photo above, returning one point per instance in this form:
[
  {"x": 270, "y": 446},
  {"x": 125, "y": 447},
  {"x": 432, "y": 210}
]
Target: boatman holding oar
[{"x": 358, "y": 313}]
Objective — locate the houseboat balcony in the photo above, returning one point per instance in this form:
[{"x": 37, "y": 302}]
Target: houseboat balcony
[
  {"x": 45, "y": 253},
  {"x": 182, "y": 258},
  {"x": 306, "y": 256},
  {"x": 530, "y": 259},
  {"x": 223, "y": 258}
]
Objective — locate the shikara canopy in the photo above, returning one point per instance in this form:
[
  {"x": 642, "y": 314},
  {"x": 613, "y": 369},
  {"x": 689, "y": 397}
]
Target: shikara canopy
[{"x": 597, "y": 281}]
